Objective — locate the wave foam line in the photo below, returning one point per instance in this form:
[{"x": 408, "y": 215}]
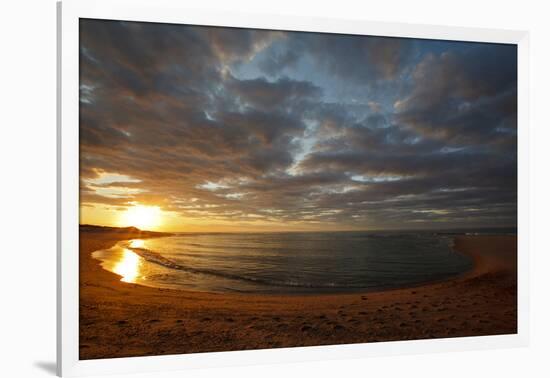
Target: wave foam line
[{"x": 157, "y": 258}]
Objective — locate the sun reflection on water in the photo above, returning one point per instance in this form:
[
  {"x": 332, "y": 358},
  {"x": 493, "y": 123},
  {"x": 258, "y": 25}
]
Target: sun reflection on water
[
  {"x": 128, "y": 267},
  {"x": 137, "y": 243}
]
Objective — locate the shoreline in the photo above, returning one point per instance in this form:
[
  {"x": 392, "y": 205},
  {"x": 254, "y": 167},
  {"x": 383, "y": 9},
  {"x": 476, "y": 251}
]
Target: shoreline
[
  {"x": 119, "y": 319},
  {"x": 466, "y": 273}
]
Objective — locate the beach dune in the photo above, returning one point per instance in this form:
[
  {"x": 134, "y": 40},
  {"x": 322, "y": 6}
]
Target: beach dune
[{"x": 119, "y": 319}]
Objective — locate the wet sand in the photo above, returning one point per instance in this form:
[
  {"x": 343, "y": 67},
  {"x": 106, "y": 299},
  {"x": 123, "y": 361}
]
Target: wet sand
[{"x": 119, "y": 319}]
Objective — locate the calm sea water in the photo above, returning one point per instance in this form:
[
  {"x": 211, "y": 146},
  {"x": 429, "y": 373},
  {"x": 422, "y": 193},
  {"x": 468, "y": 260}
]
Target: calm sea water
[{"x": 322, "y": 262}]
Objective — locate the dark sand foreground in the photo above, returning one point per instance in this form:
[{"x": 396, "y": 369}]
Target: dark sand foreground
[{"x": 118, "y": 319}]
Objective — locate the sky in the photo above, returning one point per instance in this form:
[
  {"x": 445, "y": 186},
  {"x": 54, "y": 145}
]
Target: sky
[{"x": 190, "y": 128}]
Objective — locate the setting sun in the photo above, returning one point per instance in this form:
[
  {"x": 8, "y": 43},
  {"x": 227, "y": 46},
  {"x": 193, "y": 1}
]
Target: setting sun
[{"x": 143, "y": 217}]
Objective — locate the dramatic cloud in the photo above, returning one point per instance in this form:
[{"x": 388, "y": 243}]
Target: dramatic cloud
[
  {"x": 464, "y": 97},
  {"x": 272, "y": 95},
  {"x": 284, "y": 130}
]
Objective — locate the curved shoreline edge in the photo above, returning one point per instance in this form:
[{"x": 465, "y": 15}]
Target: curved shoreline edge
[
  {"x": 119, "y": 319},
  {"x": 481, "y": 263}
]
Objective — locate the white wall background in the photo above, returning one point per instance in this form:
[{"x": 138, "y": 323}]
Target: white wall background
[{"x": 27, "y": 185}]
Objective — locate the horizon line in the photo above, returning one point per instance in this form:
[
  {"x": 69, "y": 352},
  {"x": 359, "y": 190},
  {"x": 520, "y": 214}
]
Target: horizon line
[{"x": 449, "y": 229}]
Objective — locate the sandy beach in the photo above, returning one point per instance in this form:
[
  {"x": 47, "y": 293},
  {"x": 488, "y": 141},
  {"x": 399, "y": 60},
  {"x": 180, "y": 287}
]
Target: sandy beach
[{"x": 119, "y": 319}]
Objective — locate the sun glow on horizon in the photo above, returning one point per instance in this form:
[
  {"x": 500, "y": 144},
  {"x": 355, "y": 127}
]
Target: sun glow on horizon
[{"x": 142, "y": 217}]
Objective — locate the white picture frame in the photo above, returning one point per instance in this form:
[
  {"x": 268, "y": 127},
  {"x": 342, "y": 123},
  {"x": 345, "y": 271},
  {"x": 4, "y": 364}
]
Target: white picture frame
[{"x": 170, "y": 11}]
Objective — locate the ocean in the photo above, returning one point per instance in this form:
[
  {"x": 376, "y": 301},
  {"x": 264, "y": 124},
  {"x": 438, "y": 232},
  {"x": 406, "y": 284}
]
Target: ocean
[{"x": 286, "y": 263}]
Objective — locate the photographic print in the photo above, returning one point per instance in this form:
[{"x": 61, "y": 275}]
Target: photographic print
[{"x": 253, "y": 189}]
